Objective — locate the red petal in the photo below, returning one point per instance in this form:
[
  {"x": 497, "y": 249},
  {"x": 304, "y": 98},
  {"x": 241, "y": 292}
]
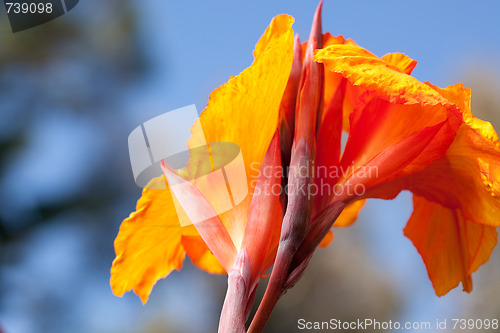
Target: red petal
[{"x": 265, "y": 215}]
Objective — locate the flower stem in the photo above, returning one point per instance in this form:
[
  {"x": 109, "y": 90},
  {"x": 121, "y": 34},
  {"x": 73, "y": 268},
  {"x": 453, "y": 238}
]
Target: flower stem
[
  {"x": 234, "y": 310},
  {"x": 275, "y": 289}
]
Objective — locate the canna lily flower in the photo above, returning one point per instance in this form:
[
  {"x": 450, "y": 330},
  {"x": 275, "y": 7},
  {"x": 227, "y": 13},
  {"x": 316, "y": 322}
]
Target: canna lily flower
[
  {"x": 287, "y": 112},
  {"x": 151, "y": 242}
]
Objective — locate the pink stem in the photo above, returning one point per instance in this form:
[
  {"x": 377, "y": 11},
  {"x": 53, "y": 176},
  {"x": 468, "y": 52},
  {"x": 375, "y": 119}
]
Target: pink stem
[{"x": 234, "y": 310}]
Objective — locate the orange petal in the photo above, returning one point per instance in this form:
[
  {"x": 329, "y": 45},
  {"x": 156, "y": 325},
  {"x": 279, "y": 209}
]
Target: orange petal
[
  {"x": 330, "y": 132},
  {"x": 474, "y": 159},
  {"x": 332, "y": 81},
  {"x": 401, "y": 61},
  {"x": 362, "y": 68},
  {"x": 451, "y": 246},
  {"x": 327, "y": 40},
  {"x": 379, "y": 126},
  {"x": 387, "y": 164},
  {"x": 327, "y": 240},
  {"x": 468, "y": 176},
  {"x": 148, "y": 246},
  {"x": 350, "y": 214},
  {"x": 245, "y": 110},
  {"x": 461, "y": 97},
  {"x": 328, "y": 149},
  {"x": 392, "y": 106},
  {"x": 201, "y": 256}
]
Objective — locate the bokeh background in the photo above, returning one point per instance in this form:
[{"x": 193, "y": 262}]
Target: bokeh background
[{"x": 73, "y": 89}]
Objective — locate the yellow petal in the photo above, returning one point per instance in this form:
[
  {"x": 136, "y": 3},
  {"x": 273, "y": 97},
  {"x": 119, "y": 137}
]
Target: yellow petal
[
  {"x": 279, "y": 27},
  {"x": 148, "y": 246},
  {"x": 452, "y": 247},
  {"x": 401, "y": 61},
  {"x": 245, "y": 110}
]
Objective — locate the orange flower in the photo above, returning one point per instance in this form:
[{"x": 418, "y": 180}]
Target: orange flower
[
  {"x": 425, "y": 139},
  {"x": 151, "y": 243},
  {"x": 403, "y": 135}
]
